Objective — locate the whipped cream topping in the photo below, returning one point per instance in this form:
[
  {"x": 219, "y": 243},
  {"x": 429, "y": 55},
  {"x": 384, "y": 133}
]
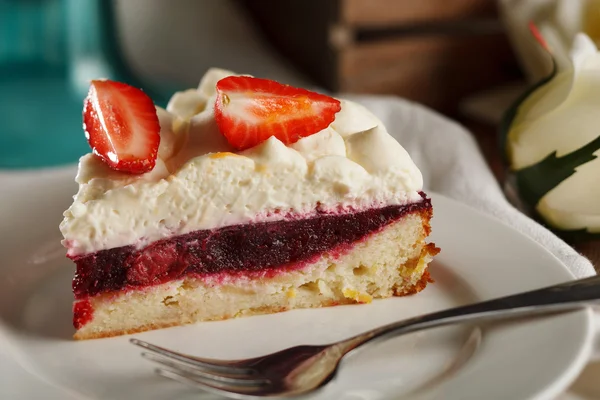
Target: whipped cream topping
[{"x": 200, "y": 182}]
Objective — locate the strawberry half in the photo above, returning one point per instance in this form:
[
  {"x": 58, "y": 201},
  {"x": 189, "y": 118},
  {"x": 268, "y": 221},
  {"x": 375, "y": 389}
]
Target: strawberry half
[
  {"x": 121, "y": 126},
  {"x": 250, "y": 110}
]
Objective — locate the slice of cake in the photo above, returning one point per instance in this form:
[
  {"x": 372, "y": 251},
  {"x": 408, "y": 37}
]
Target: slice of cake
[{"x": 244, "y": 196}]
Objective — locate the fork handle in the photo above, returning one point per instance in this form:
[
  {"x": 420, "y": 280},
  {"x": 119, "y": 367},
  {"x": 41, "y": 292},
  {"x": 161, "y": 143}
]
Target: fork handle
[{"x": 563, "y": 297}]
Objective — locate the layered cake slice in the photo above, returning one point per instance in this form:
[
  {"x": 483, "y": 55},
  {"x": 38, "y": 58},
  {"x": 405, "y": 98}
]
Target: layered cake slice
[{"x": 244, "y": 196}]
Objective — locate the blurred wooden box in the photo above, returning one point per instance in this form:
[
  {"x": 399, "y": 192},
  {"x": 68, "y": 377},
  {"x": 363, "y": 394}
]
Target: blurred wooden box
[{"x": 431, "y": 51}]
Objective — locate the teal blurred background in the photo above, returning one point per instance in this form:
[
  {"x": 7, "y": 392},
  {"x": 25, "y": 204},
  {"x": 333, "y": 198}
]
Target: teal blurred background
[{"x": 51, "y": 49}]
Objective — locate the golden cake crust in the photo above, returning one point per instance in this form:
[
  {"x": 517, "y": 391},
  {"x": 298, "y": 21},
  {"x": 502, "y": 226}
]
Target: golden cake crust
[
  {"x": 392, "y": 262},
  {"x": 428, "y": 250},
  {"x": 420, "y": 285}
]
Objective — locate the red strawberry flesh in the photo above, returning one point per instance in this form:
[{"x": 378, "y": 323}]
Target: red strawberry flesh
[
  {"x": 250, "y": 110},
  {"x": 121, "y": 126}
]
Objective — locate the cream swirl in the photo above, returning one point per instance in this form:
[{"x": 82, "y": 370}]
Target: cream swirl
[{"x": 199, "y": 182}]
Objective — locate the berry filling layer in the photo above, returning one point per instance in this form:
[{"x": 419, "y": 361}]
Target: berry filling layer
[{"x": 260, "y": 247}]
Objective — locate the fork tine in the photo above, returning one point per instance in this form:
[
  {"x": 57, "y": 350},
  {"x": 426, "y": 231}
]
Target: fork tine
[
  {"x": 200, "y": 363},
  {"x": 237, "y": 392},
  {"x": 244, "y": 380}
]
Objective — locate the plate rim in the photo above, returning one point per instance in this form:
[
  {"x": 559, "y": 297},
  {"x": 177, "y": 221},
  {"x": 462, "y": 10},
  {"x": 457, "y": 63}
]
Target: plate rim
[{"x": 586, "y": 348}]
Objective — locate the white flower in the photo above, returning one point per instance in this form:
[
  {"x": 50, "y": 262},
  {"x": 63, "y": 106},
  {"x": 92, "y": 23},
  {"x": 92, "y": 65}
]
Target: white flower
[{"x": 561, "y": 117}]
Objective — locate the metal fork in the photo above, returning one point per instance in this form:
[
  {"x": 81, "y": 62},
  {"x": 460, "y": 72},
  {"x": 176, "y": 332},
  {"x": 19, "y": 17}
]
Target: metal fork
[{"x": 303, "y": 369}]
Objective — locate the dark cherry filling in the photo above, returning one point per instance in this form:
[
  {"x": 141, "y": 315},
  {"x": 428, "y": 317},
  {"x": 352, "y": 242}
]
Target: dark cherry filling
[
  {"x": 265, "y": 246},
  {"x": 83, "y": 312}
]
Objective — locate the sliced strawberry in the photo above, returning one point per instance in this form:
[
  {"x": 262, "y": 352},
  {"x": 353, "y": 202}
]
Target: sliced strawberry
[
  {"x": 250, "y": 110},
  {"x": 121, "y": 126}
]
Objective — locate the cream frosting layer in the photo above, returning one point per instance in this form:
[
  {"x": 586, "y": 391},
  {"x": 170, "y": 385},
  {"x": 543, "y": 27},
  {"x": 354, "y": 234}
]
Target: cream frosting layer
[{"x": 199, "y": 182}]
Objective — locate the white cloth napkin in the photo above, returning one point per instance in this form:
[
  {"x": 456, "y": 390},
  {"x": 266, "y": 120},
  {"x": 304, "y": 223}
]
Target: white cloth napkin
[{"x": 452, "y": 164}]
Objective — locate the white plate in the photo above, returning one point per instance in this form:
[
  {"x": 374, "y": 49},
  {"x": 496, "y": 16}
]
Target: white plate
[{"x": 480, "y": 259}]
